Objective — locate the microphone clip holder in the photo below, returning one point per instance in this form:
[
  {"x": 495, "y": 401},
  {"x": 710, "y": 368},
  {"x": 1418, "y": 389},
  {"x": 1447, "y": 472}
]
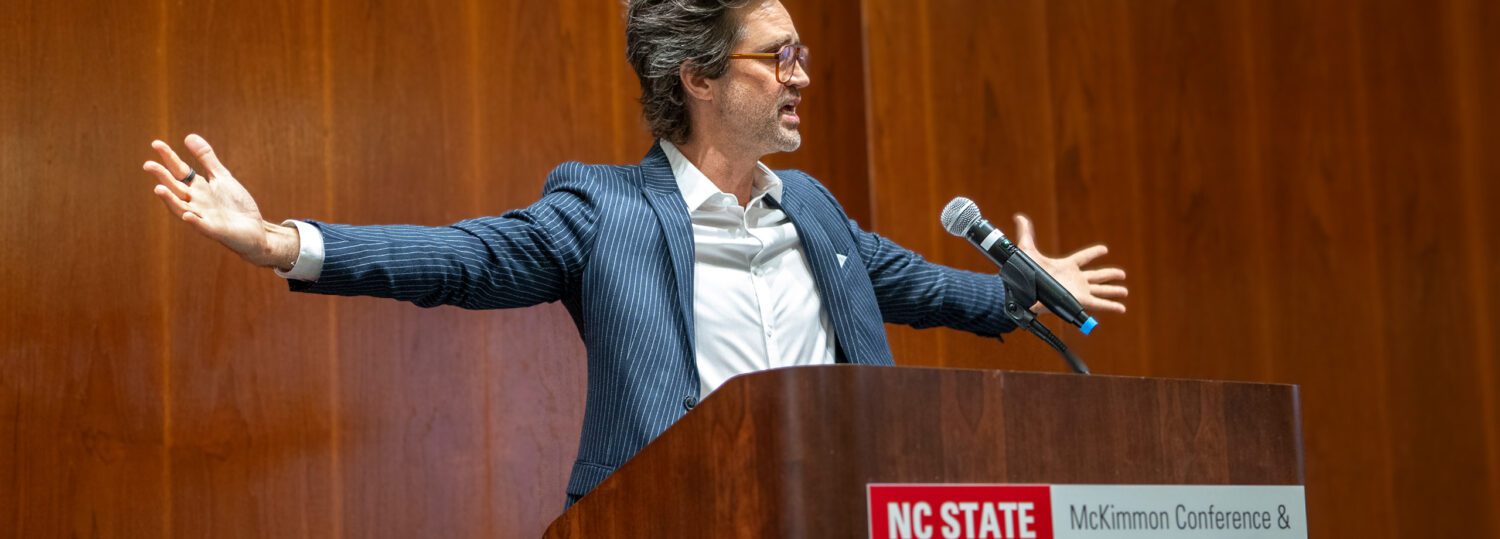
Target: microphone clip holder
[{"x": 1020, "y": 295}]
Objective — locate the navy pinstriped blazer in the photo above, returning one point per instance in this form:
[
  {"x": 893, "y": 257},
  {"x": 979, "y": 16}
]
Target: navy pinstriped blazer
[{"x": 615, "y": 245}]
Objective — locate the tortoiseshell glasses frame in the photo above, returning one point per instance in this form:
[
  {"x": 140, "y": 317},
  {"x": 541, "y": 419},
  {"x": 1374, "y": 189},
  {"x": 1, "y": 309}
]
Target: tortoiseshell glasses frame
[{"x": 786, "y": 60}]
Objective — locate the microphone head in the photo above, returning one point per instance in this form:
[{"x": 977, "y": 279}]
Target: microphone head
[{"x": 960, "y": 214}]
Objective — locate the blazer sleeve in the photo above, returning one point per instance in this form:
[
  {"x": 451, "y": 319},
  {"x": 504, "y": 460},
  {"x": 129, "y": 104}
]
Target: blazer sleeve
[
  {"x": 525, "y": 257},
  {"x": 912, "y": 291}
]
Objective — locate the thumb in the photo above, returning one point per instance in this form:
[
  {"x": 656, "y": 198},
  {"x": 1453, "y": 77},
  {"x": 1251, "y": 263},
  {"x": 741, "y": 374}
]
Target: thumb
[{"x": 1025, "y": 236}]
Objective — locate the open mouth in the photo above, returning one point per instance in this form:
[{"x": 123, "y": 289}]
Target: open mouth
[{"x": 789, "y": 109}]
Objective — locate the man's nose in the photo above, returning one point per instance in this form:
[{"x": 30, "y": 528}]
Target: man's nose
[{"x": 799, "y": 78}]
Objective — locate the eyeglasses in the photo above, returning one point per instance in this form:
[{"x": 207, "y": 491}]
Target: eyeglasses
[{"x": 785, "y": 60}]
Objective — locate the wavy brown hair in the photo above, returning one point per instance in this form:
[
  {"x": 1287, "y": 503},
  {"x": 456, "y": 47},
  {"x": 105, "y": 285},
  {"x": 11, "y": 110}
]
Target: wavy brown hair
[{"x": 663, "y": 37}]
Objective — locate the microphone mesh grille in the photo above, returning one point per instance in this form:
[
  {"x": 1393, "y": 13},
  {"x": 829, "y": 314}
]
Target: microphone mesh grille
[{"x": 960, "y": 214}]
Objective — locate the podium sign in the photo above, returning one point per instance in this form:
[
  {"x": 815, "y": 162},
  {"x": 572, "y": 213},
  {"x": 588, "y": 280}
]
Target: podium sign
[{"x": 925, "y": 511}]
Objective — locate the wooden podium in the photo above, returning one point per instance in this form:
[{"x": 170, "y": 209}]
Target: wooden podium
[{"x": 789, "y": 452}]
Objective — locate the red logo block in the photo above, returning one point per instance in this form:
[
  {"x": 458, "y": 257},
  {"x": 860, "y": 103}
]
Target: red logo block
[{"x": 952, "y": 511}]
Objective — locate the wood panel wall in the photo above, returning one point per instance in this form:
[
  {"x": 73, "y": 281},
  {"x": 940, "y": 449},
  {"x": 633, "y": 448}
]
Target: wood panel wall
[
  {"x": 154, "y": 385},
  {"x": 1301, "y": 192}
]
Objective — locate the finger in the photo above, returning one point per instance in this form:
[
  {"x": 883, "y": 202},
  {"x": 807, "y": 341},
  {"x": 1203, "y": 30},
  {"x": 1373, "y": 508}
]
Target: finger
[
  {"x": 198, "y": 223},
  {"x": 174, "y": 164},
  {"x": 1083, "y": 257},
  {"x": 1104, "y": 275},
  {"x": 167, "y": 180},
  {"x": 174, "y": 204},
  {"x": 1025, "y": 237},
  {"x": 1104, "y": 305},
  {"x": 206, "y": 155},
  {"x": 1108, "y": 291}
]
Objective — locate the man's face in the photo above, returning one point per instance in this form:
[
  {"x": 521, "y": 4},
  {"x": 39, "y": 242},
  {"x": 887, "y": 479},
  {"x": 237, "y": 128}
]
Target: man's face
[{"x": 759, "y": 112}]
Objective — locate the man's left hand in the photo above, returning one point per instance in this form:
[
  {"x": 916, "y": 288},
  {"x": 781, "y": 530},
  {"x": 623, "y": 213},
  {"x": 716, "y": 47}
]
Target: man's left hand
[{"x": 1094, "y": 288}]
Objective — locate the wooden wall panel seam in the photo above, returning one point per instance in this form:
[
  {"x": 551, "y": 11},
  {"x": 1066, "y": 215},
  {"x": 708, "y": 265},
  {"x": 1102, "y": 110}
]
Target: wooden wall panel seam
[
  {"x": 931, "y": 151},
  {"x": 1380, "y": 367},
  {"x": 331, "y": 311},
  {"x": 1468, "y": 111},
  {"x": 1254, "y": 156},
  {"x": 478, "y": 173},
  {"x": 869, "y": 112},
  {"x": 165, "y": 274}
]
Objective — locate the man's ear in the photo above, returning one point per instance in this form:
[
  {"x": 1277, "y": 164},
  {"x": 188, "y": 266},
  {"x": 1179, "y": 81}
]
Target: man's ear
[{"x": 694, "y": 84}]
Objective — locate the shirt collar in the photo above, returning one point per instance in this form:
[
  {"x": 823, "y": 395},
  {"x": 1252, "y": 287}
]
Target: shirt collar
[{"x": 696, "y": 188}]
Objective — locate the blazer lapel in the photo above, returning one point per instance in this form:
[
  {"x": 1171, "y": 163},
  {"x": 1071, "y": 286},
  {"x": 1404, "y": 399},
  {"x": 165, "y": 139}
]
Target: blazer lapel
[
  {"x": 660, "y": 188},
  {"x": 823, "y": 261}
]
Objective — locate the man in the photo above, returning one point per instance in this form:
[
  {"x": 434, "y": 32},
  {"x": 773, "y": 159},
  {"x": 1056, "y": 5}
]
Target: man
[{"x": 690, "y": 268}]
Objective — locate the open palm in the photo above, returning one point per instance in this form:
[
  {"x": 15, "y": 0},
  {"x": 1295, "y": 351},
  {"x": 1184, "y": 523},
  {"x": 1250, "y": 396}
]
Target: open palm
[
  {"x": 1096, "y": 289},
  {"x": 213, "y": 202}
]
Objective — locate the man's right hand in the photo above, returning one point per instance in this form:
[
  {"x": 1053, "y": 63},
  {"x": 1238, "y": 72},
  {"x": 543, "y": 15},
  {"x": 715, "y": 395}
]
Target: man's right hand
[{"x": 219, "y": 207}]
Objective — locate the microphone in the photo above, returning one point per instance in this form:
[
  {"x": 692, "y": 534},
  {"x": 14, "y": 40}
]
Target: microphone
[{"x": 961, "y": 218}]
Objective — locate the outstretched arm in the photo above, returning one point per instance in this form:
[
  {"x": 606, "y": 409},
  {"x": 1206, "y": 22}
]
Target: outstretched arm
[
  {"x": 525, "y": 257},
  {"x": 217, "y": 206},
  {"x": 915, "y": 292}
]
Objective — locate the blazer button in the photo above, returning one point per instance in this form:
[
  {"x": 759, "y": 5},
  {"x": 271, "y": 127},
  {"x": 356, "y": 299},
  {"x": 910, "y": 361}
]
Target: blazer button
[{"x": 689, "y": 402}]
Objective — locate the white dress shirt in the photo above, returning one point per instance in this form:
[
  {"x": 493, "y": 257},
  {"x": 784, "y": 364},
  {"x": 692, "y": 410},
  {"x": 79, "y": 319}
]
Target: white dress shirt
[{"x": 755, "y": 305}]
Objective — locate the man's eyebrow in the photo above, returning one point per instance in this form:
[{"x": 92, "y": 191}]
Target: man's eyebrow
[{"x": 773, "y": 47}]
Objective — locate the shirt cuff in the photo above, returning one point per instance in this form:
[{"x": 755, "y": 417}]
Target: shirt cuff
[{"x": 309, "y": 264}]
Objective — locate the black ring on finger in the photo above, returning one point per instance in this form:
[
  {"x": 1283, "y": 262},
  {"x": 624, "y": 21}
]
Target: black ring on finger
[{"x": 189, "y": 179}]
